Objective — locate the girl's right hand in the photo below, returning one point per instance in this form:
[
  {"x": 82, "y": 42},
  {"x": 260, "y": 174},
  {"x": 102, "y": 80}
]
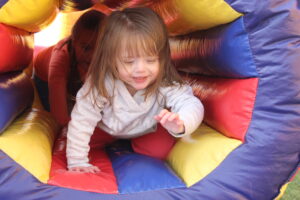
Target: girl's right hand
[
  {"x": 170, "y": 121},
  {"x": 89, "y": 169}
]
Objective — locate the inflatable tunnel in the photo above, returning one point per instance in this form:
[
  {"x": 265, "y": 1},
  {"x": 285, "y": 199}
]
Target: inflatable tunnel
[{"x": 240, "y": 57}]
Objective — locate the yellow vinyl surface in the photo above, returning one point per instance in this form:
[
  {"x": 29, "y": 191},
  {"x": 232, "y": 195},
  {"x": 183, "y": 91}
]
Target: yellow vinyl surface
[
  {"x": 196, "y": 157},
  {"x": 29, "y": 15},
  {"x": 29, "y": 140}
]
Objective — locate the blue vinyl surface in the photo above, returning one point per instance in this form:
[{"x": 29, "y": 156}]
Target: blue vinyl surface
[
  {"x": 223, "y": 51},
  {"x": 138, "y": 173},
  {"x": 16, "y": 94},
  {"x": 234, "y": 56}
]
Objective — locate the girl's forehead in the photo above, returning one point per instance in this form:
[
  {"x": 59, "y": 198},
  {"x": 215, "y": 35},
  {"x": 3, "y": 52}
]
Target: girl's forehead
[{"x": 138, "y": 46}]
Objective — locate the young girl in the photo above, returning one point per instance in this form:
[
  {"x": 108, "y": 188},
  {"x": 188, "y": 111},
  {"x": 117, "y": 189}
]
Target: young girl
[
  {"x": 132, "y": 91},
  {"x": 66, "y": 64}
]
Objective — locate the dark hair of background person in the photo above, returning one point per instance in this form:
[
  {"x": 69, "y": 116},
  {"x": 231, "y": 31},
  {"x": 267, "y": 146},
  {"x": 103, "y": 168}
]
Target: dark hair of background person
[{"x": 89, "y": 21}]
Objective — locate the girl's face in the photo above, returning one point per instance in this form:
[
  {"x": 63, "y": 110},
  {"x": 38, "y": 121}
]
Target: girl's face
[
  {"x": 137, "y": 72},
  {"x": 84, "y": 47}
]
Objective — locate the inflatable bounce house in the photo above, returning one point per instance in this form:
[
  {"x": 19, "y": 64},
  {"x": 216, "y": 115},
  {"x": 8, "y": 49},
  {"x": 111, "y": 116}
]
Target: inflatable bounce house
[{"x": 241, "y": 58}]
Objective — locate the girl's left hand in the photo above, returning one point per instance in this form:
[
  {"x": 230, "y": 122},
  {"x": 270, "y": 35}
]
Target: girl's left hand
[{"x": 170, "y": 121}]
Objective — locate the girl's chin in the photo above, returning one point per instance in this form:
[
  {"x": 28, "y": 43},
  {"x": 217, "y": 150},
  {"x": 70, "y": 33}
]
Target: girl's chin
[{"x": 139, "y": 88}]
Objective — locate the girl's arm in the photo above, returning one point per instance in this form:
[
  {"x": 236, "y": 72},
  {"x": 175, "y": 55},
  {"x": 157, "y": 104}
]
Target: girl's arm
[
  {"x": 84, "y": 118},
  {"x": 185, "y": 109},
  {"x": 59, "y": 66}
]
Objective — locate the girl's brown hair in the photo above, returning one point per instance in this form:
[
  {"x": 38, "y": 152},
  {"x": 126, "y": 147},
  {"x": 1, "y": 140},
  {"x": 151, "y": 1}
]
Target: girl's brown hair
[{"x": 141, "y": 32}]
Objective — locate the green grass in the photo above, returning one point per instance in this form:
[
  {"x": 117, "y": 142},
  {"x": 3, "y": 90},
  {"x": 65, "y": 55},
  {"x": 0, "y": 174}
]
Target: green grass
[{"x": 293, "y": 190}]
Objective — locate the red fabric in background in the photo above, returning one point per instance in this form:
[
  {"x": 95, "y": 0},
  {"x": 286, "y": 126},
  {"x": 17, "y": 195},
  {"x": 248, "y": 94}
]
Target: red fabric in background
[
  {"x": 103, "y": 182},
  {"x": 16, "y": 49},
  {"x": 52, "y": 65},
  {"x": 41, "y": 62},
  {"x": 228, "y": 103}
]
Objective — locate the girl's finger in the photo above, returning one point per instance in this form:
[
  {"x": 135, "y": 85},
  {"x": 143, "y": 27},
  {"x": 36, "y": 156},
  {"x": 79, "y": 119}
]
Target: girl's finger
[
  {"x": 173, "y": 116},
  {"x": 82, "y": 169},
  {"x": 161, "y": 115},
  {"x": 75, "y": 169},
  {"x": 165, "y": 118},
  {"x": 96, "y": 169},
  {"x": 163, "y": 112},
  {"x": 157, "y": 118}
]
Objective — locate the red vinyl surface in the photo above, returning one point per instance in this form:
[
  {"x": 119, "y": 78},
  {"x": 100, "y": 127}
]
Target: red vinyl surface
[
  {"x": 228, "y": 103},
  {"x": 103, "y": 182},
  {"x": 16, "y": 48}
]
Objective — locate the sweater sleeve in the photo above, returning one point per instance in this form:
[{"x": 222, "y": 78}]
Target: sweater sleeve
[
  {"x": 189, "y": 108},
  {"x": 59, "y": 67},
  {"x": 84, "y": 118}
]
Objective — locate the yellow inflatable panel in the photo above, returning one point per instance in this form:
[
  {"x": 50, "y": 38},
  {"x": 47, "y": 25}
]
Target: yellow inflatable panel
[
  {"x": 29, "y": 15},
  {"x": 29, "y": 140},
  {"x": 193, "y": 15},
  {"x": 282, "y": 191},
  {"x": 195, "y": 158}
]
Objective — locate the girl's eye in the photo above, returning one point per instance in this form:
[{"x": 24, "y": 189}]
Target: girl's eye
[
  {"x": 86, "y": 48},
  {"x": 128, "y": 62},
  {"x": 151, "y": 60}
]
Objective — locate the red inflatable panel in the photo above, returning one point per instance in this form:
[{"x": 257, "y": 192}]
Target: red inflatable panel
[
  {"x": 228, "y": 103},
  {"x": 16, "y": 49},
  {"x": 103, "y": 182}
]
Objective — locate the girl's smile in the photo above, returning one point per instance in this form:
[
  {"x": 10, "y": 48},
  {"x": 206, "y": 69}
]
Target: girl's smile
[{"x": 139, "y": 79}]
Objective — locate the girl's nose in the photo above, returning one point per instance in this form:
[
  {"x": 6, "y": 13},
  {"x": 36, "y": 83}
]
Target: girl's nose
[{"x": 139, "y": 66}]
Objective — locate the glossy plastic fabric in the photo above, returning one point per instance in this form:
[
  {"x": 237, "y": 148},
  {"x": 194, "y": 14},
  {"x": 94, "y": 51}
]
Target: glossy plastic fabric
[
  {"x": 29, "y": 15},
  {"x": 193, "y": 15},
  {"x": 223, "y": 51},
  {"x": 194, "y": 159},
  {"x": 16, "y": 48},
  {"x": 122, "y": 172},
  {"x": 139, "y": 173},
  {"x": 2, "y": 2},
  {"x": 228, "y": 103},
  {"x": 26, "y": 187},
  {"x": 258, "y": 168},
  {"x": 41, "y": 63},
  {"x": 28, "y": 140},
  {"x": 75, "y": 5},
  {"x": 182, "y": 17},
  {"x": 16, "y": 94},
  {"x": 271, "y": 153},
  {"x": 103, "y": 182}
]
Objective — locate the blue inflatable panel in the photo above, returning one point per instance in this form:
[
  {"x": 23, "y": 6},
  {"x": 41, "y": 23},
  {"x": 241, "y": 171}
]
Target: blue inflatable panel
[
  {"x": 16, "y": 94},
  {"x": 234, "y": 56},
  {"x": 223, "y": 51},
  {"x": 2, "y": 2},
  {"x": 138, "y": 173}
]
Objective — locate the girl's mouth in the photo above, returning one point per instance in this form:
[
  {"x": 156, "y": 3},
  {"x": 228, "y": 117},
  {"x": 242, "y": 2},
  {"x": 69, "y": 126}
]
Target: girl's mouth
[{"x": 139, "y": 79}]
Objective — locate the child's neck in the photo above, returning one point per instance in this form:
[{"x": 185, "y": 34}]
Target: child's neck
[{"x": 131, "y": 90}]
